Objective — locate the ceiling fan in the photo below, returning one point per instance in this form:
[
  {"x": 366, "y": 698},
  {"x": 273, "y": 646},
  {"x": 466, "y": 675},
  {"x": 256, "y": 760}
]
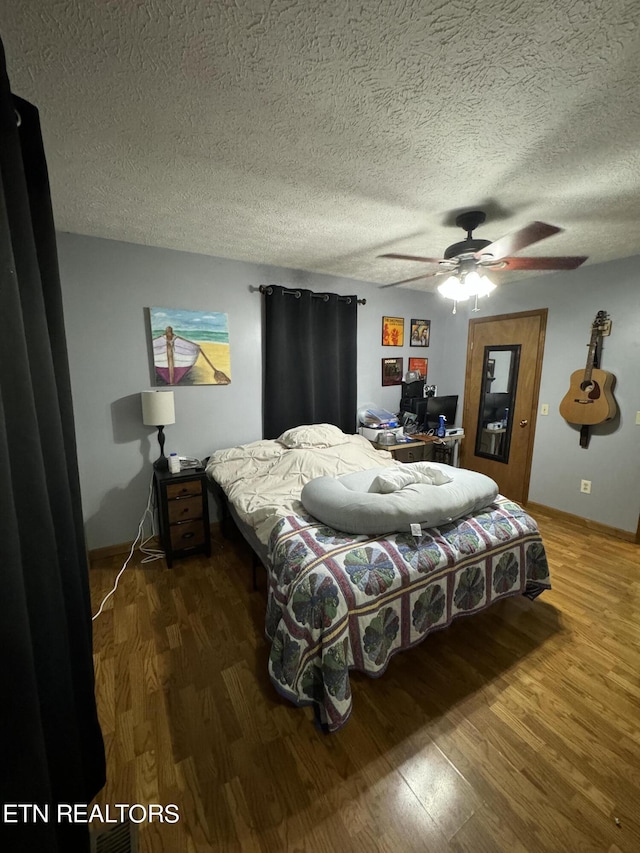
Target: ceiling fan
[{"x": 466, "y": 261}]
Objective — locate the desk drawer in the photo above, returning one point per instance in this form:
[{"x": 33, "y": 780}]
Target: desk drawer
[
  {"x": 408, "y": 454},
  {"x": 181, "y": 490},
  {"x": 427, "y": 452},
  {"x": 185, "y": 509},
  {"x": 190, "y": 534}
]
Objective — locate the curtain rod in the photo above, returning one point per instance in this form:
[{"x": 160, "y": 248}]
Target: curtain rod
[{"x": 269, "y": 290}]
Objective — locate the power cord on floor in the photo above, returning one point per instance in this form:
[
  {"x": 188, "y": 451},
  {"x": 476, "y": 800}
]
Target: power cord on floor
[{"x": 151, "y": 553}]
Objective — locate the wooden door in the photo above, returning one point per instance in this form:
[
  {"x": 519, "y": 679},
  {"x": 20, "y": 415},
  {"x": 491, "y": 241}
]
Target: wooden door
[{"x": 522, "y": 337}]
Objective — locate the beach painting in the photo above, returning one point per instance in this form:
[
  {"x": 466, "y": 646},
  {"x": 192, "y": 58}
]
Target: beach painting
[{"x": 190, "y": 347}]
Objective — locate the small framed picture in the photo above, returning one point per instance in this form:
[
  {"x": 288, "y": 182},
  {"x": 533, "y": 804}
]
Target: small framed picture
[
  {"x": 419, "y": 364},
  {"x": 392, "y": 371},
  {"x": 420, "y": 333},
  {"x": 393, "y": 331}
]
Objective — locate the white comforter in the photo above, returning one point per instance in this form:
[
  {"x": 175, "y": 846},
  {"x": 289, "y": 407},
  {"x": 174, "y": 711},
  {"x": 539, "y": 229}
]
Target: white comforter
[{"x": 263, "y": 480}]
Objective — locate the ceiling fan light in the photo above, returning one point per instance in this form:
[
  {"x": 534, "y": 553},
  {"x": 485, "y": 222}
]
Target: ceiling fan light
[
  {"x": 485, "y": 286},
  {"x": 453, "y": 288},
  {"x": 472, "y": 282}
]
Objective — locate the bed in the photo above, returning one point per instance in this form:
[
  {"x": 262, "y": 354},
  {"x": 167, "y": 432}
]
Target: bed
[{"x": 340, "y": 600}]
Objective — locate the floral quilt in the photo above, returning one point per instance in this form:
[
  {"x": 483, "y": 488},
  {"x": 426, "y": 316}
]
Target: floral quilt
[{"x": 338, "y": 601}]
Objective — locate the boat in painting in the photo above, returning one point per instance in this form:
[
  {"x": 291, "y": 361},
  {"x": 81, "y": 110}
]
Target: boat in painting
[{"x": 173, "y": 356}]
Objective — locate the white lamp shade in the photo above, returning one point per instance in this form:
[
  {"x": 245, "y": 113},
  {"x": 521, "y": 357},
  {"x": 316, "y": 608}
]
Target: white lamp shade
[{"x": 158, "y": 408}]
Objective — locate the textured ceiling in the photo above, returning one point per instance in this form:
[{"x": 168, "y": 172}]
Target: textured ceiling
[{"x": 317, "y": 135}]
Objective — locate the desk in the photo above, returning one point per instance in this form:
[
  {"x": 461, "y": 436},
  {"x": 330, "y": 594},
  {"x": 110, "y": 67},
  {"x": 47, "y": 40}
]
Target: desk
[
  {"x": 451, "y": 442},
  {"x": 405, "y": 451},
  {"x": 495, "y": 444}
]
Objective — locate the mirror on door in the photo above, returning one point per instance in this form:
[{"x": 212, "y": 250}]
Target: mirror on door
[{"x": 498, "y": 394}]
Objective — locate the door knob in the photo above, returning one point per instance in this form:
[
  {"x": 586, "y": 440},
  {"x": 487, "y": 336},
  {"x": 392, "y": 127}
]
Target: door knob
[{"x": 524, "y": 422}]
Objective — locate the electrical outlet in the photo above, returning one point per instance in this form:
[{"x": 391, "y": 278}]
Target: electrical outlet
[
  {"x": 585, "y": 487},
  {"x": 638, "y": 418},
  {"x": 544, "y": 409}
]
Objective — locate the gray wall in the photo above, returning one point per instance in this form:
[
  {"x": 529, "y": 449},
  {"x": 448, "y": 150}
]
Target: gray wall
[
  {"x": 612, "y": 460},
  {"x": 107, "y": 286}
]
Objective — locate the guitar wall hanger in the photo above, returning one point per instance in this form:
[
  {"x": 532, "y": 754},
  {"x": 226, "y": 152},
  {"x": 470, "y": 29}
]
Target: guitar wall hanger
[{"x": 589, "y": 400}]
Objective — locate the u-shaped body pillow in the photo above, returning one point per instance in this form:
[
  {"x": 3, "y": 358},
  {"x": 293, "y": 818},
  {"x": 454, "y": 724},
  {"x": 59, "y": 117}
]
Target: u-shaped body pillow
[{"x": 356, "y": 503}]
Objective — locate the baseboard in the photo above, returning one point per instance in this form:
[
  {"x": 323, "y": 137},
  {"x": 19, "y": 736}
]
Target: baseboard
[
  {"x": 124, "y": 547},
  {"x": 579, "y": 521},
  {"x": 112, "y": 551}
]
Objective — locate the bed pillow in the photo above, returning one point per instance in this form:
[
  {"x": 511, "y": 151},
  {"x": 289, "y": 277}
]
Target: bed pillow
[{"x": 312, "y": 435}]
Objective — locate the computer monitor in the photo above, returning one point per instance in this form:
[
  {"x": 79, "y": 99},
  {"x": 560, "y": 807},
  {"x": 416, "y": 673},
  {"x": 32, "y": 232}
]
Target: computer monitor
[
  {"x": 436, "y": 406},
  {"x": 494, "y": 407}
]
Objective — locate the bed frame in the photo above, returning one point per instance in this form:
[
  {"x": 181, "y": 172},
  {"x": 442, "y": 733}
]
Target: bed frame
[{"x": 229, "y": 517}]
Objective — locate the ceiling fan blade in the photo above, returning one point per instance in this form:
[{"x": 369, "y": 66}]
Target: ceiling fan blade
[
  {"x": 512, "y": 243},
  {"x": 412, "y": 258},
  {"x": 405, "y": 280},
  {"x": 566, "y": 263}
]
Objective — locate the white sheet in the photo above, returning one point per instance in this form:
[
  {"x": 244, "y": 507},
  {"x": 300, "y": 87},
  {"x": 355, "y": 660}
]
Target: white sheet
[{"x": 263, "y": 480}]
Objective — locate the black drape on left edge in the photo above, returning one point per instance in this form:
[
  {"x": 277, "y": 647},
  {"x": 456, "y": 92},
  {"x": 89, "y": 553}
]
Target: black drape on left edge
[
  {"x": 51, "y": 748},
  {"x": 310, "y": 366}
]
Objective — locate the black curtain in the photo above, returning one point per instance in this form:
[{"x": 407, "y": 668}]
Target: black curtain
[
  {"x": 51, "y": 748},
  {"x": 310, "y": 359}
]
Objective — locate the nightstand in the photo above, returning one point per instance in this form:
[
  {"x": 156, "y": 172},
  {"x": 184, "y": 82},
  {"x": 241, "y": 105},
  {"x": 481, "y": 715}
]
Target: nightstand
[{"x": 183, "y": 513}]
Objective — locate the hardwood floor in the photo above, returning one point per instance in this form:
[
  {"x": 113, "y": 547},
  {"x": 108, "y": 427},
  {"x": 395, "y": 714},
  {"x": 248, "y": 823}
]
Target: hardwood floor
[{"x": 517, "y": 729}]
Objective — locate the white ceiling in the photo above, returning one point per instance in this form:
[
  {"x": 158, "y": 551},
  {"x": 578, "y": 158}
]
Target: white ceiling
[{"x": 317, "y": 135}]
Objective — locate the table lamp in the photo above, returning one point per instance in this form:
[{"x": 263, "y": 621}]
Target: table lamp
[{"x": 158, "y": 410}]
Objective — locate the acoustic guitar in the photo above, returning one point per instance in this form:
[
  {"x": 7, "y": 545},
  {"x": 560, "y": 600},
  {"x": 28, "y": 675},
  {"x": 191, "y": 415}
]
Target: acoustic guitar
[{"x": 589, "y": 399}]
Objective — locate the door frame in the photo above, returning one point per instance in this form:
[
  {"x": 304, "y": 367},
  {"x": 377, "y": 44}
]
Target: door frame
[{"x": 542, "y": 313}]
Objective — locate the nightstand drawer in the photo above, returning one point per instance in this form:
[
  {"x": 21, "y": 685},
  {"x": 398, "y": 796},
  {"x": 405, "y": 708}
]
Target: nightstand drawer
[
  {"x": 180, "y": 490},
  {"x": 185, "y": 509},
  {"x": 188, "y": 535}
]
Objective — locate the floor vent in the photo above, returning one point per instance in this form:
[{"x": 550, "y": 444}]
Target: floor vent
[{"x": 122, "y": 838}]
